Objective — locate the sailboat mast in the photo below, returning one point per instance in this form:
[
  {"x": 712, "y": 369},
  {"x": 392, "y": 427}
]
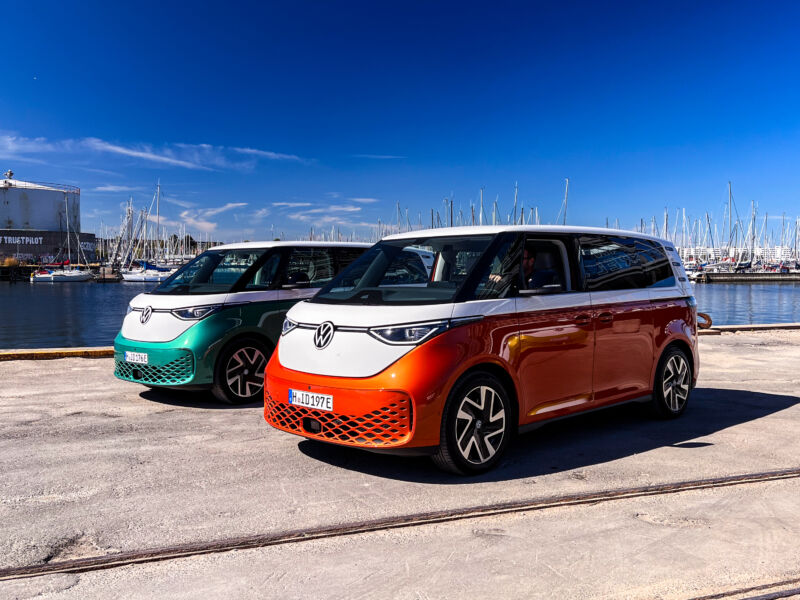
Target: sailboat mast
[
  {"x": 158, "y": 214},
  {"x": 66, "y": 210},
  {"x": 566, "y": 195}
]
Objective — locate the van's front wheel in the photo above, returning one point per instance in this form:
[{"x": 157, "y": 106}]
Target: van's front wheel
[
  {"x": 476, "y": 426},
  {"x": 239, "y": 375}
]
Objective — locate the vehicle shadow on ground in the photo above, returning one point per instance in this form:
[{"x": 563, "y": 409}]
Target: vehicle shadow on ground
[
  {"x": 192, "y": 399},
  {"x": 578, "y": 442}
]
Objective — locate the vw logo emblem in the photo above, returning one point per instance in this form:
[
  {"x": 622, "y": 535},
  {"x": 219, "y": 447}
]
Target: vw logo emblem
[
  {"x": 323, "y": 335},
  {"x": 146, "y": 313}
]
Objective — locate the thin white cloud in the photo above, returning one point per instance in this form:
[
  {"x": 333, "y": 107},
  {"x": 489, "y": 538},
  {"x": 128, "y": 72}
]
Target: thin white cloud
[
  {"x": 116, "y": 188},
  {"x": 176, "y": 202},
  {"x": 15, "y": 145},
  {"x": 291, "y": 204},
  {"x": 203, "y": 157},
  {"x": 199, "y": 223},
  {"x": 164, "y": 221},
  {"x": 210, "y": 212},
  {"x": 379, "y": 156},
  {"x": 364, "y": 200},
  {"x": 261, "y": 213},
  {"x": 144, "y": 152},
  {"x": 334, "y": 208},
  {"x": 270, "y": 155},
  {"x": 319, "y": 220}
]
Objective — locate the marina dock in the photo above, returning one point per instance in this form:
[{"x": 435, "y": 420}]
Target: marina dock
[
  {"x": 759, "y": 277},
  {"x": 176, "y": 490}
]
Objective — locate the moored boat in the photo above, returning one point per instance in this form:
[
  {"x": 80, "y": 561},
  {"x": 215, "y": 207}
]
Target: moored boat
[{"x": 60, "y": 275}]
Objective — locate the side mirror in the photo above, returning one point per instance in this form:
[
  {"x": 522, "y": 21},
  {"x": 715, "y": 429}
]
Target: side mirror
[{"x": 542, "y": 291}]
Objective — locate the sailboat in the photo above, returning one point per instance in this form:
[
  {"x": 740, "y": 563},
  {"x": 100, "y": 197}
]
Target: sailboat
[
  {"x": 147, "y": 271},
  {"x": 63, "y": 274}
]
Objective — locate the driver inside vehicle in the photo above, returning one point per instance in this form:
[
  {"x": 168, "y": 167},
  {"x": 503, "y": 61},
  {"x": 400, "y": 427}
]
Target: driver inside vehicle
[{"x": 539, "y": 267}]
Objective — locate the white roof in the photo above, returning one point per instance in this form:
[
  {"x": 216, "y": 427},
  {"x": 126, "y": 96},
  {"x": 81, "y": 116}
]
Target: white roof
[
  {"x": 272, "y": 244},
  {"x": 29, "y": 185},
  {"x": 495, "y": 229}
]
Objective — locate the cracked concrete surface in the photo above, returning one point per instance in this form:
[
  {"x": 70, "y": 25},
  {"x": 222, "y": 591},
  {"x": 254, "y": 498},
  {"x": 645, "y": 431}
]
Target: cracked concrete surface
[{"x": 91, "y": 465}]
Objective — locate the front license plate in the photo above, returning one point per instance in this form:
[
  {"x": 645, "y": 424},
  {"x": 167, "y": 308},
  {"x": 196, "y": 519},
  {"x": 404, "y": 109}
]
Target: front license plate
[
  {"x": 310, "y": 400},
  {"x": 140, "y": 358}
]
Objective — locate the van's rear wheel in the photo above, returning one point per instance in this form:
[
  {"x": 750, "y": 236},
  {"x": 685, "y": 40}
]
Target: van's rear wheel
[
  {"x": 476, "y": 426},
  {"x": 239, "y": 375},
  {"x": 672, "y": 384}
]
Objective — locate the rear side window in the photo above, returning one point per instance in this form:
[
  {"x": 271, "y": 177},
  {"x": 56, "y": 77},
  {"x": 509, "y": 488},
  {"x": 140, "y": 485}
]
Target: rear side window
[
  {"x": 622, "y": 263},
  {"x": 655, "y": 264},
  {"x": 310, "y": 265},
  {"x": 611, "y": 263}
]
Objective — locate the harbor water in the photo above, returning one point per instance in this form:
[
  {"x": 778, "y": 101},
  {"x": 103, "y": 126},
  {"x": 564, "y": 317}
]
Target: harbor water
[{"x": 51, "y": 315}]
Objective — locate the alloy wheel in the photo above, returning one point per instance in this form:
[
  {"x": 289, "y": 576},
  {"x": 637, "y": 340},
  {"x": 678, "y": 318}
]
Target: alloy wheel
[
  {"x": 480, "y": 425},
  {"x": 245, "y": 372},
  {"x": 675, "y": 384}
]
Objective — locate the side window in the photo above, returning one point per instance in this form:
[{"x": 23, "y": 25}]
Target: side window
[
  {"x": 498, "y": 280},
  {"x": 233, "y": 265},
  {"x": 543, "y": 266},
  {"x": 265, "y": 276},
  {"x": 309, "y": 265},
  {"x": 655, "y": 263},
  {"x": 344, "y": 256},
  {"x": 611, "y": 263},
  {"x": 406, "y": 269}
]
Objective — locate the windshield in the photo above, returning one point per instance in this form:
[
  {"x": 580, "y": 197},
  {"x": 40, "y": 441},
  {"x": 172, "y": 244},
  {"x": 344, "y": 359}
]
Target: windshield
[
  {"x": 410, "y": 271},
  {"x": 213, "y": 272}
]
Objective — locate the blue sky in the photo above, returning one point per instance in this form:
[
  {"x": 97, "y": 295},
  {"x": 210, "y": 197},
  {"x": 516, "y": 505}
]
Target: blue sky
[{"x": 327, "y": 114}]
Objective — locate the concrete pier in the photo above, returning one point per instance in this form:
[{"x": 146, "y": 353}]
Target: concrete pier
[
  {"x": 93, "y": 466},
  {"x": 711, "y": 277}
]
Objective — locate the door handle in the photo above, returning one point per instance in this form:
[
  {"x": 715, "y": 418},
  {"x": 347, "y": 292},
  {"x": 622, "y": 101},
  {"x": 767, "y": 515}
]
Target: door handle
[
  {"x": 605, "y": 317},
  {"x": 583, "y": 320}
]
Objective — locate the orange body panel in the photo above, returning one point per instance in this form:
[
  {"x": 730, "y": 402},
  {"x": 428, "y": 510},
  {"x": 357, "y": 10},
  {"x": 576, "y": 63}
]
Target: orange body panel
[
  {"x": 558, "y": 361},
  {"x": 425, "y": 375}
]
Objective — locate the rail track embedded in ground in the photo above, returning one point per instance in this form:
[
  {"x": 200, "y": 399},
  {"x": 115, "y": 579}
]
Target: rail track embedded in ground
[
  {"x": 788, "y": 588},
  {"x": 121, "y": 559}
]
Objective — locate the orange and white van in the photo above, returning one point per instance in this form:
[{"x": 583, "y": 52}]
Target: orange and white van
[{"x": 506, "y": 328}]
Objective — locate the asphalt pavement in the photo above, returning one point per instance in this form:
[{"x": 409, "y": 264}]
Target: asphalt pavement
[{"x": 90, "y": 465}]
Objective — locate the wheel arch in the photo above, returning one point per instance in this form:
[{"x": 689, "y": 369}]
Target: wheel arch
[
  {"x": 242, "y": 335},
  {"x": 502, "y": 374},
  {"x": 681, "y": 345}
]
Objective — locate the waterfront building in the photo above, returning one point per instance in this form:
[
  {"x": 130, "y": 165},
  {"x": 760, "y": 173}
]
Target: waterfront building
[{"x": 33, "y": 221}]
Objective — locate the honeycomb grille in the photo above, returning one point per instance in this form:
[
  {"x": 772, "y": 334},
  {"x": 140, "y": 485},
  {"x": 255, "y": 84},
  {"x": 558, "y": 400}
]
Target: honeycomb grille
[
  {"x": 386, "y": 426},
  {"x": 174, "y": 372}
]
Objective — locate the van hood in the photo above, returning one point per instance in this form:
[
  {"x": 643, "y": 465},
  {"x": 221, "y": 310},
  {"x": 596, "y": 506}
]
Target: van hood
[
  {"x": 352, "y": 351},
  {"x": 162, "y": 326},
  {"x": 360, "y": 315}
]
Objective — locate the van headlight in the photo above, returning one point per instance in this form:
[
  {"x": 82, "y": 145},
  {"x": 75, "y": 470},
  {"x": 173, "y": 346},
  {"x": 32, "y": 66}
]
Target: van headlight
[
  {"x": 195, "y": 313},
  {"x": 288, "y": 325},
  {"x": 130, "y": 310},
  {"x": 408, "y": 335}
]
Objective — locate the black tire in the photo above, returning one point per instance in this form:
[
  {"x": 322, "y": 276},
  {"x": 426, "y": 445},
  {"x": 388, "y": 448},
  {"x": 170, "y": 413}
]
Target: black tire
[
  {"x": 672, "y": 385},
  {"x": 239, "y": 373},
  {"x": 477, "y": 425}
]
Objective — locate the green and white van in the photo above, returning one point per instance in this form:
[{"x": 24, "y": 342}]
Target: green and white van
[{"x": 215, "y": 322}]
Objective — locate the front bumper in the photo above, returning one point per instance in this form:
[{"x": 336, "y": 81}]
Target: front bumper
[
  {"x": 399, "y": 408},
  {"x": 167, "y": 364}
]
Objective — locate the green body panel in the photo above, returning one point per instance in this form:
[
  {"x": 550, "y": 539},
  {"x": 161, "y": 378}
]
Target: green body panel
[{"x": 203, "y": 340}]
